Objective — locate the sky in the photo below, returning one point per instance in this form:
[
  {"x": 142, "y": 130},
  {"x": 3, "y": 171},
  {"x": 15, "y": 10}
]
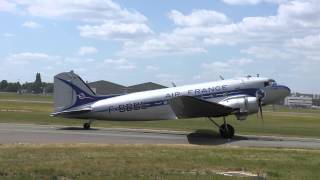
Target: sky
[{"x": 181, "y": 41}]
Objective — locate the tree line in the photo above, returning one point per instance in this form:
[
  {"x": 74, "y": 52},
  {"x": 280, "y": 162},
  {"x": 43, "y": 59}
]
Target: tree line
[{"x": 36, "y": 87}]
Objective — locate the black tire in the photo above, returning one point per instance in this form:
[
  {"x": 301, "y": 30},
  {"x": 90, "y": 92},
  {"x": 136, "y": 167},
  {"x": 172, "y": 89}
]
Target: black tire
[
  {"x": 86, "y": 126},
  {"x": 226, "y": 133}
]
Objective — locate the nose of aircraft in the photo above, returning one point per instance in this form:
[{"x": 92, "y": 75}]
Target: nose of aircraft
[
  {"x": 275, "y": 93},
  {"x": 283, "y": 91}
]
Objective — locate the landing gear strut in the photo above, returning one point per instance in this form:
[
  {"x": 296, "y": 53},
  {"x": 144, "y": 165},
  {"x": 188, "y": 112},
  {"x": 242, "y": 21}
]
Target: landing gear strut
[
  {"x": 226, "y": 130},
  {"x": 87, "y": 125}
]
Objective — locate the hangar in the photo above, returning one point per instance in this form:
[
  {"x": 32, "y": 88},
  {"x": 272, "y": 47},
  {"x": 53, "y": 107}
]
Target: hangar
[{"x": 106, "y": 87}]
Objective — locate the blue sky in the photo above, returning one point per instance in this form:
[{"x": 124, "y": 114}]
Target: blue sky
[{"x": 130, "y": 42}]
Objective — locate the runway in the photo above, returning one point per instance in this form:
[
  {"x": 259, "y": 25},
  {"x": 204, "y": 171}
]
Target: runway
[{"x": 29, "y": 133}]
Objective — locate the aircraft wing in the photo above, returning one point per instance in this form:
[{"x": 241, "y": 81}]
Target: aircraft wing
[{"x": 190, "y": 107}]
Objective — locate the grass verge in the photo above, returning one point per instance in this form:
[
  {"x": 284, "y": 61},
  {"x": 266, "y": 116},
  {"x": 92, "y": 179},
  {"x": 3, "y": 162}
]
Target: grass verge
[{"x": 89, "y": 161}]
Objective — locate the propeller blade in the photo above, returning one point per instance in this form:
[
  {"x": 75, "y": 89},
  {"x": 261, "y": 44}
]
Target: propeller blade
[{"x": 260, "y": 109}]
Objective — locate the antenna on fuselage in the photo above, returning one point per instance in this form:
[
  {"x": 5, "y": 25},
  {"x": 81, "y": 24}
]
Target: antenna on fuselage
[
  {"x": 173, "y": 84},
  {"x": 221, "y": 77}
]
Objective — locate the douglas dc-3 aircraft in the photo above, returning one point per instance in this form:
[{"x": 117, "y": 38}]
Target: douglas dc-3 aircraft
[{"x": 240, "y": 97}]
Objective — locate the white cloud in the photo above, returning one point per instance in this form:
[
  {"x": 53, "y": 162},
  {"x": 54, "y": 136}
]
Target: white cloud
[
  {"x": 85, "y": 10},
  {"x": 168, "y": 78},
  {"x": 7, "y": 6},
  {"x": 252, "y": 2},
  {"x": 119, "y": 64},
  {"x": 294, "y": 19},
  {"x": 163, "y": 44},
  {"x": 31, "y": 24},
  {"x": 113, "y": 30},
  {"x": 151, "y": 68},
  {"x": 8, "y": 35},
  {"x": 197, "y": 18},
  {"x": 28, "y": 57},
  {"x": 270, "y": 53},
  {"x": 86, "y": 50},
  {"x": 308, "y": 42},
  {"x": 211, "y": 70},
  {"x": 103, "y": 19}
]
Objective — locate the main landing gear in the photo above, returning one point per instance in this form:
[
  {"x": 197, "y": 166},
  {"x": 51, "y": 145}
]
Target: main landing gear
[
  {"x": 87, "y": 125},
  {"x": 226, "y": 130}
]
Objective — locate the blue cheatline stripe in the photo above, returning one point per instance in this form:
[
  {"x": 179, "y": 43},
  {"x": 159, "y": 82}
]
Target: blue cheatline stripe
[
  {"x": 144, "y": 105},
  {"x": 83, "y": 97}
]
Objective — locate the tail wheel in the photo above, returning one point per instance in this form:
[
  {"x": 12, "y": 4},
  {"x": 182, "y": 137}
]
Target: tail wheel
[{"x": 226, "y": 131}]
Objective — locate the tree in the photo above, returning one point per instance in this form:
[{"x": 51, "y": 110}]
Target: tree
[
  {"x": 38, "y": 79},
  {"x": 13, "y": 87},
  {"x": 3, "y": 85},
  {"x": 37, "y": 85}
]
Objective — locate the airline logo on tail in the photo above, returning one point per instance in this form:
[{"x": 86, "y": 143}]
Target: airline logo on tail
[{"x": 82, "y": 96}]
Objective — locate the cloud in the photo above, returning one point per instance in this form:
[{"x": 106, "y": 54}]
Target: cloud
[
  {"x": 113, "y": 30},
  {"x": 86, "y": 50},
  {"x": 28, "y": 57},
  {"x": 85, "y": 10},
  {"x": 31, "y": 24},
  {"x": 7, "y": 6},
  {"x": 8, "y": 35},
  {"x": 119, "y": 64},
  {"x": 311, "y": 42},
  {"x": 252, "y": 2},
  {"x": 102, "y": 19},
  {"x": 151, "y": 68},
  {"x": 198, "y": 18},
  {"x": 168, "y": 78},
  {"x": 160, "y": 45},
  {"x": 294, "y": 19},
  {"x": 265, "y": 52},
  {"x": 232, "y": 68}
]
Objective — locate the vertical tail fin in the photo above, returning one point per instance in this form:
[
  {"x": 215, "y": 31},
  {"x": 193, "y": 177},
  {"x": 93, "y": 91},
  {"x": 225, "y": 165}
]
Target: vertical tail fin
[{"x": 71, "y": 91}]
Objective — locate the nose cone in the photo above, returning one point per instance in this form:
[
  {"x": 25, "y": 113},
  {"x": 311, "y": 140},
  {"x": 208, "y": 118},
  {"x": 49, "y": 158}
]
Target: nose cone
[
  {"x": 275, "y": 94},
  {"x": 283, "y": 91}
]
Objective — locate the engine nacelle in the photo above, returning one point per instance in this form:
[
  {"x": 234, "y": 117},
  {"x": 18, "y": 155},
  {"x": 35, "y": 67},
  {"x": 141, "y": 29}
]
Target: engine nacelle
[{"x": 243, "y": 105}]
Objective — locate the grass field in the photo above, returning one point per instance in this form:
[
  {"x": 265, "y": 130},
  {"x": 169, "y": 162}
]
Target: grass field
[
  {"x": 152, "y": 162},
  {"x": 91, "y": 161},
  {"x": 284, "y": 121},
  {"x": 15, "y": 96}
]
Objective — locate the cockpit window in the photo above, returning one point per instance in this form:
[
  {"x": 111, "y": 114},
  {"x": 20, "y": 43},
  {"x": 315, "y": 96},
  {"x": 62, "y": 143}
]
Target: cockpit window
[{"x": 270, "y": 82}]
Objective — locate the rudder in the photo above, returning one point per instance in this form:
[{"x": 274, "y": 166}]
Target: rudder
[{"x": 71, "y": 91}]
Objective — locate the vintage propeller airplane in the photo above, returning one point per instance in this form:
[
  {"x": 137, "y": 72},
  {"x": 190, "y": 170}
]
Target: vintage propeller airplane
[{"x": 240, "y": 97}]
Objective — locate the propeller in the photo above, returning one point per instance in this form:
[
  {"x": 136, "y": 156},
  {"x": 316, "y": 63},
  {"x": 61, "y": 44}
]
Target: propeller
[{"x": 260, "y": 95}]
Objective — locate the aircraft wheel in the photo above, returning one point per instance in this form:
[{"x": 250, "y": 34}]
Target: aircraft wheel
[
  {"x": 226, "y": 131},
  {"x": 86, "y": 126}
]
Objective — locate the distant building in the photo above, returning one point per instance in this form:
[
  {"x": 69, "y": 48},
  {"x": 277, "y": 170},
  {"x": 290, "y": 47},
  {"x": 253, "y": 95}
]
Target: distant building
[
  {"x": 106, "y": 87},
  {"x": 301, "y": 101},
  {"x": 316, "y": 102},
  {"x": 144, "y": 87}
]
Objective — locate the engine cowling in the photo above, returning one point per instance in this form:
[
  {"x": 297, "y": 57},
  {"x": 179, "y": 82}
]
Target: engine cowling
[{"x": 243, "y": 105}]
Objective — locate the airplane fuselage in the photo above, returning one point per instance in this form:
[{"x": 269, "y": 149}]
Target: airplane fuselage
[{"x": 151, "y": 105}]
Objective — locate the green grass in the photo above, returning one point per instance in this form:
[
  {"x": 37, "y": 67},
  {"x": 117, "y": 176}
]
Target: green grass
[
  {"x": 302, "y": 123},
  {"x": 88, "y": 161},
  {"x": 34, "y": 97}
]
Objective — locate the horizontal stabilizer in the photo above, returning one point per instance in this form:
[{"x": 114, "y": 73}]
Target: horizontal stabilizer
[
  {"x": 72, "y": 112},
  {"x": 190, "y": 107}
]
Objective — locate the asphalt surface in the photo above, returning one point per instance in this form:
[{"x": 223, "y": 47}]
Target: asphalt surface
[{"x": 28, "y": 133}]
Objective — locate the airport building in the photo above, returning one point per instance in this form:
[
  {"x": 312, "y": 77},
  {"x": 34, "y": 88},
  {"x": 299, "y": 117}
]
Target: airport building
[
  {"x": 298, "y": 101},
  {"x": 144, "y": 87},
  {"x": 106, "y": 87}
]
